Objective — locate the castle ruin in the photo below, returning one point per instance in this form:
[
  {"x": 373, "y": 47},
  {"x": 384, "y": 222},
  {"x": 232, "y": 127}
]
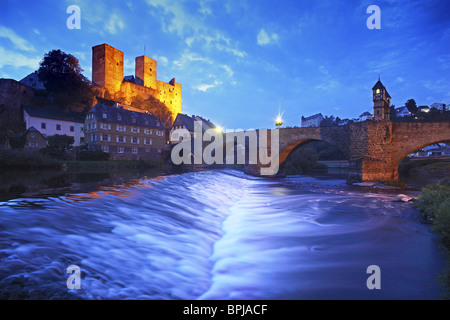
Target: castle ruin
[{"x": 107, "y": 73}]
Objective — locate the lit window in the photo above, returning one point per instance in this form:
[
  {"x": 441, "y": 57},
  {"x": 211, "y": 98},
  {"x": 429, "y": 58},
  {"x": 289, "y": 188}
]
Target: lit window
[{"x": 134, "y": 150}]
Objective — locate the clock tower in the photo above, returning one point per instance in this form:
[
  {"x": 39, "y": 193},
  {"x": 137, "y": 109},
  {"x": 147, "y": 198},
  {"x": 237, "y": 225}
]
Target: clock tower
[{"x": 381, "y": 102}]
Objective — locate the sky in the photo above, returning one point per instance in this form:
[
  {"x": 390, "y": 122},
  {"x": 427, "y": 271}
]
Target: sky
[{"x": 241, "y": 62}]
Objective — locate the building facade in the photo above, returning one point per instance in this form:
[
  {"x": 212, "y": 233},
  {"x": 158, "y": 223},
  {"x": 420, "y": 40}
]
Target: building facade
[
  {"x": 50, "y": 121},
  {"x": 381, "y": 102},
  {"x": 312, "y": 121},
  {"x": 125, "y": 134},
  {"x": 184, "y": 125}
]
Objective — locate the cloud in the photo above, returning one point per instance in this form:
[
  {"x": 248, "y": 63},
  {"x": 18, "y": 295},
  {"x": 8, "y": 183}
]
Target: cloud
[
  {"x": 263, "y": 38},
  {"x": 178, "y": 19},
  {"x": 114, "y": 24},
  {"x": 18, "y": 42},
  {"x": 327, "y": 82},
  {"x": 205, "y": 87},
  {"x": 17, "y": 59},
  {"x": 228, "y": 70}
]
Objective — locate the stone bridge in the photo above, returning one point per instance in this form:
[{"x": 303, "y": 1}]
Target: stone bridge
[{"x": 373, "y": 148}]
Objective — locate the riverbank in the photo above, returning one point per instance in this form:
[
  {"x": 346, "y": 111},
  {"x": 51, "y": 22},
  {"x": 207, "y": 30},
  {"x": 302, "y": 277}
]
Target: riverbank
[{"x": 434, "y": 203}]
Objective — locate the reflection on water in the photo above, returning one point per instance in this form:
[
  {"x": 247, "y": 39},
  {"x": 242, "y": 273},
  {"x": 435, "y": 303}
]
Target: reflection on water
[{"x": 217, "y": 235}]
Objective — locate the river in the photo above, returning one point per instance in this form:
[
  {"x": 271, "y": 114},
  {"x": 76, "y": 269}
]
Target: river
[{"x": 218, "y": 235}]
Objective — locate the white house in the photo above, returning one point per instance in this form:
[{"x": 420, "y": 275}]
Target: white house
[
  {"x": 50, "y": 121},
  {"x": 439, "y": 106},
  {"x": 401, "y": 111},
  {"x": 312, "y": 121}
]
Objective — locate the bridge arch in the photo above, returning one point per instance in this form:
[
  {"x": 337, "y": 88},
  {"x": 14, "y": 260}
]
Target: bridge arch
[{"x": 402, "y": 154}]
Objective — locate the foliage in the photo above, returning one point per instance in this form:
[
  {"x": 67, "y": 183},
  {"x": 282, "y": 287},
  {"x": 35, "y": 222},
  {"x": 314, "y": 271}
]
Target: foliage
[
  {"x": 155, "y": 107},
  {"x": 434, "y": 203},
  {"x": 411, "y": 105},
  {"x": 301, "y": 160},
  {"x": 329, "y": 121},
  {"x": 17, "y": 141},
  {"x": 93, "y": 155},
  {"x": 326, "y": 151},
  {"x": 61, "y": 142},
  {"x": 63, "y": 79},
  {"x": 26, "y": 159}
]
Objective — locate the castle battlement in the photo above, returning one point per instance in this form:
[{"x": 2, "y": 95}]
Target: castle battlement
[{"x": 107, "y": 72}]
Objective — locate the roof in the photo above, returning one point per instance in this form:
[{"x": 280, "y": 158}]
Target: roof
[
  {"x": 30, "y": 129},
  {"x": 379, "y": 85},
  {"x": 142, "y": 119},
  {"x": 188, "y": 122},
  {"x": 33, "y": 81},
  {"x": 312, "y": 117},
  {"x": 53, "y": 113},
  {"x": 367, "y": 113}
]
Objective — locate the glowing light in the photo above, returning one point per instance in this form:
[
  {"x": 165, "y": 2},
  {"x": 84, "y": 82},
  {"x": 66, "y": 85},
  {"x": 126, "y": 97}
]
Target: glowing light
[
  {"x": 278, "y": 121},
  {"x": 219, "y": 129}
]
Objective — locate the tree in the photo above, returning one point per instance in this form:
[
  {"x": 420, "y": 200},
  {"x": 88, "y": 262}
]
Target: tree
[
  {"x": 61, "y": 142},
  {"x": 411, "y": 106},
  {"x": 17, "y": 141},
  {"x": 63, "y": 78},
  {"x": 155, "y": 107},
  {"x": 392, "y": 112}
]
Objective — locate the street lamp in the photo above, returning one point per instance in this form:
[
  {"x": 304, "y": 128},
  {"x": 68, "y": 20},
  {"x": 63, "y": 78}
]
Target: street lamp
[{"x": 278, "y": 121}]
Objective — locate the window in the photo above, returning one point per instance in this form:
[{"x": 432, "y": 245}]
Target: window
[
  {"x": 121, "y": 139},
  {"x": 135, "y": 140},
  {"x": 81, "y": 129},
  {"x": 135, "y": 130},
  {"x": 146, "y": 122},
  {"x": 121, "y": 128},
  {"x": 105, "y": 137},
  {"x": 105, "y": 126},
  {"x": 147, "y": 149},
  {"x": 58, "y": 127},
  {"x": 120, "y": 149},
  {"x": 105, "y": 148},
  {"x": 119, "y": 117},
  {"x": 72, "y": 128},
  {"x": 146, "y": 131},
  {"x": 159, "y": 133},
  {"x": 133, "y": 120},
  {"x": 148, "y": 141},
  {"x": 33, "y": 135},
  {"x": 105, "y": 116},
  {"x": 134, "y": 150},
  {"x": 43, "y": 125},
  {"x": 94, "y": 137}
]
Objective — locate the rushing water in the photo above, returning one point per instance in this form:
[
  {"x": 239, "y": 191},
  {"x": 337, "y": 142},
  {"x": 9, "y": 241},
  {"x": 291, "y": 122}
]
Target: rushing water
[{"x": 218, "y": 235}]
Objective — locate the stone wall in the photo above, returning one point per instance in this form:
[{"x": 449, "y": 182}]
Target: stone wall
[{"x": 12, "y": 95}]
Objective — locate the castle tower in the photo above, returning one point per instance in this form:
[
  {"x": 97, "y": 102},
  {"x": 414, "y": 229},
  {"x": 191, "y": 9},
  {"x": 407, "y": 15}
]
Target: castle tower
[
  {"x": 107, "y": 67},
  {"x": 381, "y": 102},
  {"x": 145, "y": 71}
]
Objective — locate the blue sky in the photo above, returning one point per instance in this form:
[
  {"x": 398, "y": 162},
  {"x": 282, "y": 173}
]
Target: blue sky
[{"x": 241, "y": 62}]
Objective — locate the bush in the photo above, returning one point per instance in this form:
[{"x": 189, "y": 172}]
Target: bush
[
  {"x": 26, "y": 159},
  {"x": 90, "y": 155},
  {"x": 55, "y": 153},
  {"x": 434, "y": 203}
]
